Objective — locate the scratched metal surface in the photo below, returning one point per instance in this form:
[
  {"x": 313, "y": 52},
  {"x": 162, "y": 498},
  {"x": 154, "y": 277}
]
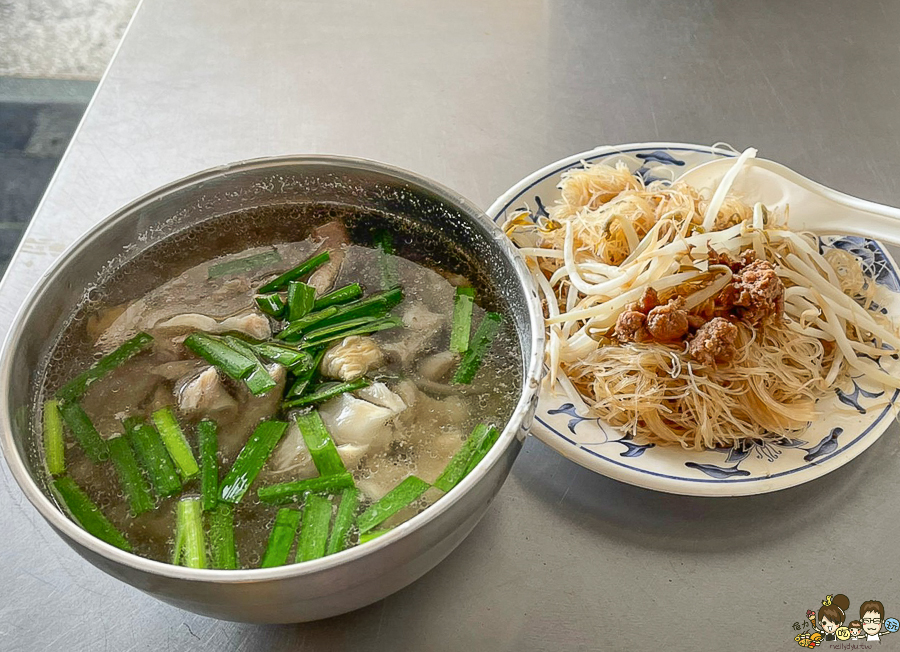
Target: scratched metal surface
[{"x": 476, "y": 94}]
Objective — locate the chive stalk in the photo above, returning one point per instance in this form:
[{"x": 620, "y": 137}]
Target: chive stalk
[
  {"x": 259, "y": 381},
  {"x": 54, "y": 446},
  {"x": 392, "y": 502},
  {"x": 305, "y": 377},
  {"x": 300, "y": 300},
  {"x": 176, "y": 443},
  {"x": 133, "y": 483},
  {"x": 208, "y": 442},
  {"x": 190, "y": 547},
  {"x": 223, "y": 553},
  {"x": 314, "y": 531},
  {"x": 76, "y": 387},
  {"x": 323, "y": 333},
  {"x": 390, "y": 275},
  {"x": 294, "y": 330},
  {"x": 250, "y": 460},
  {"x": 339, "y": 296},
  {"x": 87, "y": 514},
  {"x": 233, "y": 364},
  {"x": 374, "y": 305},
  {"x": 367, "y": 328},
  {"x": 326, "y": 392},
  {"x": 281, "y": 539},
  {"x": 284, "y": 355},
  {"x": 343, "y": 521},
  {"x": 371, "y": 536},
  {"x": 482, "y": 449},
  {"x": 84, "y": 431},
  {"x": 481, "y": 342},
  {"x": 456, "y": 467},
  {"x": 462, "y": 319},
  {"x": 320, "y": 444},
  {"x": 293, "y": 274},
  {"x": 243, "y": 265},
  {"x": 152, "y": 455},
  {"x": 270, "y": 304},
  {"x": 285, "y": 492}
]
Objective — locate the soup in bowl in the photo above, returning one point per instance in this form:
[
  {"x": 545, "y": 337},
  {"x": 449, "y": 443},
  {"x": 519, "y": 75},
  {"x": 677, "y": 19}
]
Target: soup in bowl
[{"x": 276, "y": 391}]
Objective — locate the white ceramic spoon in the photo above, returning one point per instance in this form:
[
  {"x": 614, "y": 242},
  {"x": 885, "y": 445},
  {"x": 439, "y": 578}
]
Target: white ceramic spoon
[{"x": 813, "y": 207}]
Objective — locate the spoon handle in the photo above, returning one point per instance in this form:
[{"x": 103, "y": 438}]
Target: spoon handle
[
  {"x": 861, "y": 218},
  {"x": 828, "y": 211}
]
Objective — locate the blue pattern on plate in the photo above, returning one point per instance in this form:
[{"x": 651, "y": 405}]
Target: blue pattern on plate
[
  {"x": 541, "y": 209},
  {"x": 631, "y": 448},
  {"x": 760, "y": 449},
  {"x": 568, "y": 408},
  {"x": 634, "y": 450},
  {"x": 659, "y": 156},
  {"x": 875, "y": 264},
  {"x": 853, "y": 399},
  {"x": 718, "y": 472},
  {"x": 828, "y": 445}
]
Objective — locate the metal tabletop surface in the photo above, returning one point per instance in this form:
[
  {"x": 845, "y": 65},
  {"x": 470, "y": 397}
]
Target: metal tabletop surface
[{"x": 476, "y": 94}]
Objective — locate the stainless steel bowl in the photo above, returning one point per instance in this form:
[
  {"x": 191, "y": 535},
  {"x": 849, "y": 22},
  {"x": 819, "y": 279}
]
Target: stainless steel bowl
[{"x": 334, "y": 584}]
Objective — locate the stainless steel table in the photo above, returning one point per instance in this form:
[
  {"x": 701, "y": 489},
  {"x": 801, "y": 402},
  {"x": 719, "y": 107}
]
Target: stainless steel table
[{"x": 476, "y": 94}]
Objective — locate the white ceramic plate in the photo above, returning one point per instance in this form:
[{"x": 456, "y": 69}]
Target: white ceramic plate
[{"x": 853, "y": 416}]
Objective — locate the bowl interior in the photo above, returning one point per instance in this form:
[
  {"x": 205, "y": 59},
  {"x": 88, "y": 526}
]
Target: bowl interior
[{"x": 203, "y": 198}]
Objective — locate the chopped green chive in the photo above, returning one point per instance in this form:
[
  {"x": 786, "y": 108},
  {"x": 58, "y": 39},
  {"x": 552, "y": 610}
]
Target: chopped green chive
[
  {"x": 371, "y": 536},
  {"x": 243, "y": 265},
  {"x": 259, "y": 381},
  {"x": 208, "y": 442},
  {"x": 320, "y": 444},
  {"x": 343, "y": 521},
  {"x": 396, "y": 499},
  {"x": 300, "y": 300},
  {"x": 327, "y": 391},
  {"x": 151, "y": 453},
  {"x": 87, "y": 514},
  {"x": 130, "y": 478},
  {"x": 190, "y": 547},
  {"x": 284, "y": 355},
  {"x": 375, "y": 305},
  {"x": 292, "y": 275},
  {"x": 456, "y": 468},
  {"x": 482, "y": 449},
  {"x": 363, "y": 326},
  {"x": 279, "y": 494},
  {"x": 294, "y": 330},
  {"x": 233, "y": 364},
  {"x": 270, "y": 304},
  {"x": 221, "y": 537},
  {"x": 462, "y": 319},
  {"x": 481, "y": 342},
  {"x": 339, "y": 296},
  {"x": 305, "y": 377},
  {"x": 54, "y": 446},
  {"x": 84, "y": 432},
  {"x": 73, "y": 389},
  {"x": 281, "y": 538},
  {"x": 176, "y": 443},
  {"x": 390, "y": 275},
  {"x": 250, "y": 460},
  {"x": 322, "y": 334},
  {"x": 314, "y": 531}
]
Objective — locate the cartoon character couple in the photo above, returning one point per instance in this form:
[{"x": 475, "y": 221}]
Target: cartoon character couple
[{"x": 832, "y": 615}]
